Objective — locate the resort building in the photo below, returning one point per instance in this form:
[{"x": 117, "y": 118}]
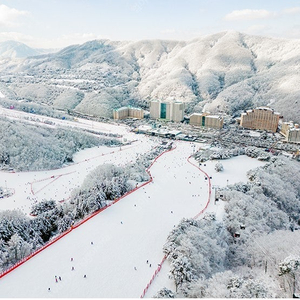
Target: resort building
[
  {"x": 128, "y": 112},
  {"x": 170, "y": 111},
  {"x": 206, "y": 120},
  {"x": 291, "y": 131},
  {"x": 263, "y": 118},
  {"x": 285, "y": 127}
]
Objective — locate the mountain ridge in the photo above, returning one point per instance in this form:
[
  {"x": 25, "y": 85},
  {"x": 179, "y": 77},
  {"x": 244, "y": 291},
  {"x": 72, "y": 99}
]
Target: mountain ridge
[{"x": 227, "y": 71}]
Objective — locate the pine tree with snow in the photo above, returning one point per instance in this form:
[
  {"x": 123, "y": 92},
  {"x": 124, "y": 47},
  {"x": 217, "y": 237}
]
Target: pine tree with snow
[{"x": 219, "y": 167}]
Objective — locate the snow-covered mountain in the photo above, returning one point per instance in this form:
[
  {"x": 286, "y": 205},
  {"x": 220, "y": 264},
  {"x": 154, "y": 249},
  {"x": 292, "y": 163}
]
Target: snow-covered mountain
[
  {"x": 227, "y": 71},
  {"x": 13, "y": 49}
]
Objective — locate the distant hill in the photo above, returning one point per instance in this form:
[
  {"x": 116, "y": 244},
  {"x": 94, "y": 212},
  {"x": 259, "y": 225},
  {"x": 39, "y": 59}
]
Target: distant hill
[
  {"x": 227, "y": 71},
  {"x": 13, "y": 49}
]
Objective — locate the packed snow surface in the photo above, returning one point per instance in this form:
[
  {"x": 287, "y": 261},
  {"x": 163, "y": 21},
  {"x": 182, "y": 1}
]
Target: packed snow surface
[{"x": 112, "y": 248}]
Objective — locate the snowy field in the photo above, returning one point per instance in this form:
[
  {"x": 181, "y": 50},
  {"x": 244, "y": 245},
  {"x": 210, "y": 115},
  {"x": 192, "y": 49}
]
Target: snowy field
[{"x": 125, "y": 235}]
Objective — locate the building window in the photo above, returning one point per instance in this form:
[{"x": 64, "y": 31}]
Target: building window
[{"x": 163, "y": 110}]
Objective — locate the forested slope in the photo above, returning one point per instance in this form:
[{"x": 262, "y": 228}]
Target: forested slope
[
  {"x": 254, "y": 251},
  {"x": 227, "y": 71},
  {"x": 26, "y": 147}
]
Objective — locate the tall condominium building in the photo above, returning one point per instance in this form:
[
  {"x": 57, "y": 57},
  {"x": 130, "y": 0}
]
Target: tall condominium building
[
  {"x": 263, "y": 118},
  {"x": 155, "y": 109},
  {"x": 171, "y": 111},
  {"x": 128, "y": 112},
  {"x": 206, "y": 120},
  {"x": 177, "y": 111}
]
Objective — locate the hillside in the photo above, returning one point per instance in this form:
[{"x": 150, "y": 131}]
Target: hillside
[{"x": 227, "y": 71}]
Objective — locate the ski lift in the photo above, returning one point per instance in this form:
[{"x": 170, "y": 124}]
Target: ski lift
[
  {"x": 242, "y": 226},
  {"x": 236, "y": 235}
]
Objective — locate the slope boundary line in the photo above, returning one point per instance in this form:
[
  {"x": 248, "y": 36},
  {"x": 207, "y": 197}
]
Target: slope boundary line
[
  {"x": 195, "y": 217},
  {"x": 57, "y": 238}
]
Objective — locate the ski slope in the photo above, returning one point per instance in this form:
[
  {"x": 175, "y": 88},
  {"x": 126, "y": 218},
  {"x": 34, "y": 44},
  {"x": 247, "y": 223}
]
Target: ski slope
[
  {"x": 125, "y": 235},
  {"x": 32, "y": 187},
  {"x": 81, "y": 123}
]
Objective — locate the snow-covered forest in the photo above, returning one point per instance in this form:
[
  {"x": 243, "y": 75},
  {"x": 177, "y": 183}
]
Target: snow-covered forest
[
  {"x": 226, "y": 71},
  {"x": 20, "y": 235},
  {"x": 26, "y": 147},
  {"x": 254, "y": 251}
]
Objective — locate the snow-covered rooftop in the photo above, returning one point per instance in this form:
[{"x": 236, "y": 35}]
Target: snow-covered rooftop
[
  {"x": 214, "y": 117},
  {"x": 174, "y": 132}
]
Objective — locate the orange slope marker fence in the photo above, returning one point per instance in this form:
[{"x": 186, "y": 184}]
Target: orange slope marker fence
[
  {"x": 57, "y": 238},
  {"x": 195, "y": 217}
]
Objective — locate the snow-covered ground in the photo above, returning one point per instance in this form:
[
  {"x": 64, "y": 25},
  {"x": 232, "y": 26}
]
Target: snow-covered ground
[
  {"x": 80, "y": 123},
  {"x": 178, "y": 190},
  {"x": 32, "y": 187}
]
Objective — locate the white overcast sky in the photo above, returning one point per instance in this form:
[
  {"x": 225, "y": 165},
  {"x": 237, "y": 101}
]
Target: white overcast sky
[{"x": 59, "y": 23}]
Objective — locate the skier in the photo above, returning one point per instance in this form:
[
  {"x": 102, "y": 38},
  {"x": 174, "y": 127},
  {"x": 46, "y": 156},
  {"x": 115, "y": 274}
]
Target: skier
[
  {"x": 59, "y": 278},
  {"x": 71, "y": 258},
  {"x": 73, "y": 269},
  {"x": 84, "y": 276},
  {"x": 147, "y": 260},
  {"x": 135, "y": 268},
  {"x": 150, "y": 265}
]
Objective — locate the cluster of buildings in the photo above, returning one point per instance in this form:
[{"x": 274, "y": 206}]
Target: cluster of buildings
[
  {"x": 174, "y": 111},
  {"x": 261, "y": 118},
  {"x": 265, "y": 118},
  {"x": 169, "y": 111}
]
